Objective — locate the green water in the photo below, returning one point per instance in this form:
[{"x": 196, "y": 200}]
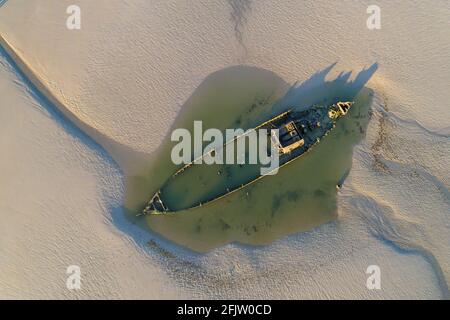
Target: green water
[
  {"x": 204, "y": 182},
  {"x": 300, "y": 196}
]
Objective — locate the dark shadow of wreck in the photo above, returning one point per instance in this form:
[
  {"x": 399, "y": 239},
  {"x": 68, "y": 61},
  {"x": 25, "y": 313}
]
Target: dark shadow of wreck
[{"x": 319, "y": 90}]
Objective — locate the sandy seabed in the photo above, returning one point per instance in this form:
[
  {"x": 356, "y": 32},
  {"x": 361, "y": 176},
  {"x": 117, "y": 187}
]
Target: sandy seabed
[{"x": 62, "y": 179}]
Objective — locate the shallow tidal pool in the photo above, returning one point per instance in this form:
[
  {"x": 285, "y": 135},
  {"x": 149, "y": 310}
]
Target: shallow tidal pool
[{"x": 302, "y": 195}]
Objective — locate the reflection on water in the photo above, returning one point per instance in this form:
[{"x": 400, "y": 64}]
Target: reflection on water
[{"x": 301, "y": 196}]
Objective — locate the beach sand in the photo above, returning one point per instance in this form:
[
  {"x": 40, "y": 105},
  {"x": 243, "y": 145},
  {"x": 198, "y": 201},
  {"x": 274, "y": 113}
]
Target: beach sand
[{"x": 116, "y": 86}]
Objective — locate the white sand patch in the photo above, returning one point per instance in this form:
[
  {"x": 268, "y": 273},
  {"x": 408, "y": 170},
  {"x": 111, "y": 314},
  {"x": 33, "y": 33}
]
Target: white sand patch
[{"x": 58, "y": 194}]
